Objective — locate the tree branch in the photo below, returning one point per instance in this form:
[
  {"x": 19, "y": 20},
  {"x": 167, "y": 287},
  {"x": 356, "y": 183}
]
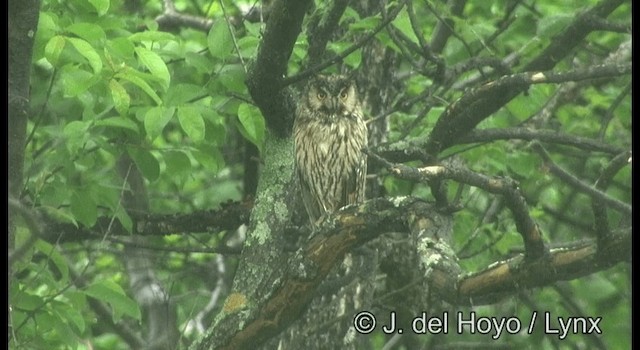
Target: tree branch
[
  {"x": 228, "y": 217},
  {"x": 352, "y": 226},
  {"x": 321, "y": 28},
  {"x": 170, "y": 18},
  {"x": 464, "y": 114},
  {"x": 594, "y": 193},
  {"x": 358, "y": 44},
  {"x": 265, "y": 77},
  {"x": 516, "y": 203},
  {"x": 547, "y": 136}
]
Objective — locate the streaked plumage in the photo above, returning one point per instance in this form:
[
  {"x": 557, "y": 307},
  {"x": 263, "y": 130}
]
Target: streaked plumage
[{"x": 330, "y": 133}]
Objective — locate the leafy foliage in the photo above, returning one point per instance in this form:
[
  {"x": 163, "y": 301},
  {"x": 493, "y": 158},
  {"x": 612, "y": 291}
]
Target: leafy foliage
[{"x": 109, "y": 83}]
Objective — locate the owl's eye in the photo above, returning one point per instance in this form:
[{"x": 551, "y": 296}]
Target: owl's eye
[
  {"x": 321, "y": 95},
  {"x": 343, "y": 94}
]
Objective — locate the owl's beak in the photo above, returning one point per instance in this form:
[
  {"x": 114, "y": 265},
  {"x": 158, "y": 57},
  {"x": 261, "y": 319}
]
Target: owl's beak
[{"x": 335, "y": 105}]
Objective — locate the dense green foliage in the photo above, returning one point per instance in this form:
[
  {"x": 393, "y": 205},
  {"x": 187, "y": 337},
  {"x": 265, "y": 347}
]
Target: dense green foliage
[{"x": 107, "y": 81}]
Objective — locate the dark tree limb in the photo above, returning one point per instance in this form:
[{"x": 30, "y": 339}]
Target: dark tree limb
[
  {"x": 444, "y": 28},
  {"x": 594, "y": 193},
  {"x": 22, "y": 24},
  {"x": 546, "y": 136},
  {"x": 171, "y": 18},
  {"x": 228, "y": 217},
  {"x": 321, "y": 28},
  {"x": 516, "y": 203},
  {"x": 573, "y": 260},
  {"x": 601, "y": 221},
  {"x": 358, "y": 44},
  {"x": 571, "y": 36},
  {"x": 464, "y": 114},
  {"x": 353, "y": 226},
  {"x": 265, "y": 78}
]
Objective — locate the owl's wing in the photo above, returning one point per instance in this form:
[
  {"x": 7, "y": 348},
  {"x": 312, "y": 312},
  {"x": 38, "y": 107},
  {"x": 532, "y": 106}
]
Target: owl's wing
[
  {"x": 311, "y": 202},
  {"x": 353, "y": 184}
]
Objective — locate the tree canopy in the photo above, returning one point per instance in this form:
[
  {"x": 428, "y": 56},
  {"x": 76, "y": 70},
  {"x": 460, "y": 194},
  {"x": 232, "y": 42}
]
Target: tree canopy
[{"x": 152, "y": 202}]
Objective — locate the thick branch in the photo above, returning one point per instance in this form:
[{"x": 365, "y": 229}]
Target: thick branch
[
  {"x": 264, "y": 79},
  {"x": 531, "y": 235},
  {"x": 321, "y": 28},
  {"x": 358, "y": 44},
  {"x": 594, "y": 193},
  {"x": 564, "y": 263},
  {"x": 355, "y": 225},
  {"x": 23, "y": 22},
  {"x": 547, "y": 136},
  {"x": 170, "y": 18},
  {"x": 572, "y": 36},
  {"x": 228, "y": 217},
  {"x": 464, "y": 114}
]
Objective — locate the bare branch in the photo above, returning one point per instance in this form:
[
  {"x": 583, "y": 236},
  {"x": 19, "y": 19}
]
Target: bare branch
[
  {"x": 598, "y": 207},
  {"x": 516, "y": 203},
  {"x": 465, "y": 113},
  {"x": 320, "y": 29},
  {"x": 594, "y": 193},
  {"x": 228, "y": 217},
  {"x": 358, "y": 44},
  {"x": 171, "y": 18},
  {"x": 265, "y": 77},
  {"x": 547, "y": 136}
]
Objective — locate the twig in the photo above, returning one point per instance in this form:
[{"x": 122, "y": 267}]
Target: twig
[
  {"x": 594, "y": 193},
  {"x": 233, "y": 35},
  {"x": 516, "y": 203},
  {"x": 317, "y": 68},
  {"x": 547, "y": 136}
]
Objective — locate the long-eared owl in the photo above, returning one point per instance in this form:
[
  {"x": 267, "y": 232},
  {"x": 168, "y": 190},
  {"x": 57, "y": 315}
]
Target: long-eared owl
[{"x": 330, "y": 134}]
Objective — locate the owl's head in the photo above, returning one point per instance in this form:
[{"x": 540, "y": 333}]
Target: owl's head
[{"x": 333, "y": 95}]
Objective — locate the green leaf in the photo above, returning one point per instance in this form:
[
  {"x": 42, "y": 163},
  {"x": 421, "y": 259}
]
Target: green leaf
[
  {"x": 219, "y": 40},
  {"x": 70, "y": 316},
  {"x": 127, "y": 74},
  {"x": 248, "y": 46},
  {"x": 368, "y": 23},
  {"x": 87, "y": 31},
  {"x": 183, "y": 93},
  {"x": 156, "y": 119},
  {"x": 232, "y": 76},
  {"x": 120, "y": 96},
  {"x": 76, "y": 81},
  {"x": 118, "y": 122},
  {"x": 122, "y": 48},
  {"x": 75, "y": 134},
  {"x": 210, "y": 158},
  {"x": 151, "y": 36},
  {"x": 353, "y": 59},
  {"x": 86, "y": 50},
  {"x": 53, "y": 49},
  {"x": 253, "y": 125},
  {"x": 101, "y": 6},
  {"x": 59, "y": 214},
  {"x": 124, "y": 219},
  {"x": 155, "y": 64},
  {"x": 54, "y": 255},
  {"x": 198, "y": 61},
  {"x": 84, "y": 208},
  {"x": 111, "y": 293},
  {"x": 146, "y": 163},
  {"x": 191, "y": 122},
  {"x": 177, "y": 162},
  {"x": 23, "y": 300}
]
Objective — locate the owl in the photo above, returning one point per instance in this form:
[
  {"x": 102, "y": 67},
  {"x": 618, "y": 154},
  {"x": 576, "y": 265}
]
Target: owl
[{"x": 329, "y": 135}]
